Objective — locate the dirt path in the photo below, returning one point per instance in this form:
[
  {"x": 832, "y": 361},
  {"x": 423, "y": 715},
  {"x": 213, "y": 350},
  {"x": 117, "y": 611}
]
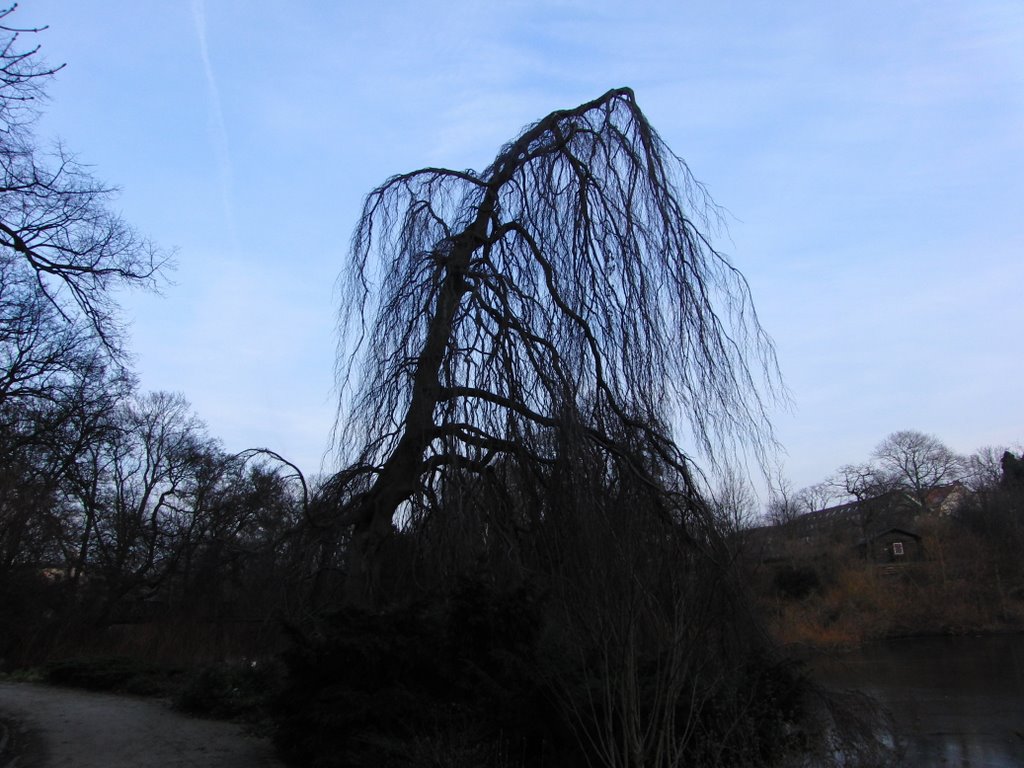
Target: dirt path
[{"x": 68, "y": 728}]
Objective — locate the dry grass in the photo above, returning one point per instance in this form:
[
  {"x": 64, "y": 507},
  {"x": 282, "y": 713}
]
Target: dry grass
[{"x": 960, "y": 589}]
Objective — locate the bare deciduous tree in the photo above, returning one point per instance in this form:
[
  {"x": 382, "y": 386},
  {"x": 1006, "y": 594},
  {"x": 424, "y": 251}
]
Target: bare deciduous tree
[
  {"x": 58, "y": 235},
  {"x": 983, "y": 469},
  {"x": 568, "y": 291},
  {"x": 918, "y": 462},
  {"x": 41, "y": 353},
  {"x": 733, "y": 499},
  {"x": 783, "y": 502},
  {"x": 134, "y": 490},
  {"x": 862, "y": 481},
  {"x": 817, "y": 496}
]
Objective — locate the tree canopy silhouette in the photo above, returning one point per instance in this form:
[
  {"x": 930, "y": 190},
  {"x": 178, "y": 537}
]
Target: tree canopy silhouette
[
  {"x": 63, "y": 252},
  {"x": 568, "y": 292}
]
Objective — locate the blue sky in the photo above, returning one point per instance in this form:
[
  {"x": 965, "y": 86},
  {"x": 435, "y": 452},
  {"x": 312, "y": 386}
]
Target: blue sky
[{"x": 870, "y": 156}]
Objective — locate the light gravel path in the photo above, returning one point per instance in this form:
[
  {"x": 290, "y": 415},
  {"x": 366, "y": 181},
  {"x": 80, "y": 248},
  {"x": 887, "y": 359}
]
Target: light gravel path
[{"x": 67, "y": 727}]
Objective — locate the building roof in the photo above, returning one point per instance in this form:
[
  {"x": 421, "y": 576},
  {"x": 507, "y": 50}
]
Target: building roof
[{"x": 854, "y": 521}]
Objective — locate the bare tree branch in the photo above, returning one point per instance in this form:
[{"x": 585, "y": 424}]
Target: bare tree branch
[{"x": 56, "y": 221}]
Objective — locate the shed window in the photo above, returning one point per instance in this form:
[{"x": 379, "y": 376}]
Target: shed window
[{"x": 897, "y": 548}]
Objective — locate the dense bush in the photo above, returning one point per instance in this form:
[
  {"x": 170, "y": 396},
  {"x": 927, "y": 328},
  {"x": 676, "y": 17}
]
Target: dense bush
[
  {"x": 28, "y": 606},
  {"x": 240, "y": 690},
  {"x": 479, "y": 677},
  {"x": 796, "y": 582},
  {"x": 752, "y": 721},
  {"x": 110, "y": 674},
  {"x": 457, "y": 678}
]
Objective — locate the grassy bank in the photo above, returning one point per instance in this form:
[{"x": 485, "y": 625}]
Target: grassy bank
[{"x": 833, "y": 599}]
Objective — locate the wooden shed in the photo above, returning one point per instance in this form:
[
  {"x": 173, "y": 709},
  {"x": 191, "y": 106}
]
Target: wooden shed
[{"x": 893, "y": 545}]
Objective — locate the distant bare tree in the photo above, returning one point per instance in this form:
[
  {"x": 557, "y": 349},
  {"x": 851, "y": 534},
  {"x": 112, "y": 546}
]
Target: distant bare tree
[
  {"x": 47, "y": 427},
  {"x": 983, "y": 469},
  {"x": 783, "y": 503},
  {"x": 862, "y": 481},
  {"x": 918, "y": 462},
  {"x": 134, "y": 490},
  {"x": 733, "y": 499},
  {"x": 871, "y": 487},
  {"x": 817, "y": 496},
  {"x": 569, "y": 292}
]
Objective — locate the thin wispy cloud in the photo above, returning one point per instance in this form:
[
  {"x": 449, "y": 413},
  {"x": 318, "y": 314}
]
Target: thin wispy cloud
[{"x": 218, "y": 126}]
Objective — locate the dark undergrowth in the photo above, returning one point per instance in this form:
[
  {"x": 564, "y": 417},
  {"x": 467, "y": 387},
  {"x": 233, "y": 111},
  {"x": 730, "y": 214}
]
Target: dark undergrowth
[
  {"x": 475, "y": 678},
  {"x": 454, "y": 682}
]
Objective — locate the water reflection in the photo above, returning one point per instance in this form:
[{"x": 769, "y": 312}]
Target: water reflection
[{"x": 955, "y": 701}]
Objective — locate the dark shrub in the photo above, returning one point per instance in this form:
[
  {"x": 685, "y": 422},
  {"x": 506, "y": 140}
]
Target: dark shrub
[
  {"x": 106, "y": 674},
  {"x": 240, "y": 690},
  {"x": 796, "y": 582},
  {"x": 29, "y": 605},
  {"x": 454, "y": 679}
]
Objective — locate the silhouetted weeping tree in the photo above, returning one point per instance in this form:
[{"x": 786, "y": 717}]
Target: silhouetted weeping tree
[{"x": 566, "y": 295}]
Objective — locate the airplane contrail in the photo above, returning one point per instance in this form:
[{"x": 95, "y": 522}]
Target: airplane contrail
[{"x": 218, "y": 126}]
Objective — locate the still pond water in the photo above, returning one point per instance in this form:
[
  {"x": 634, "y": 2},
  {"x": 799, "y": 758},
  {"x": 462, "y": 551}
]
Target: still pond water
[{"x": 955, "y": 701}]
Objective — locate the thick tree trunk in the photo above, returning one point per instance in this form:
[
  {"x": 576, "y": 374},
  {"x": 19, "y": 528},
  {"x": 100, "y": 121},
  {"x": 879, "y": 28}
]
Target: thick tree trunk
[{"x": 399, "y": 477}]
